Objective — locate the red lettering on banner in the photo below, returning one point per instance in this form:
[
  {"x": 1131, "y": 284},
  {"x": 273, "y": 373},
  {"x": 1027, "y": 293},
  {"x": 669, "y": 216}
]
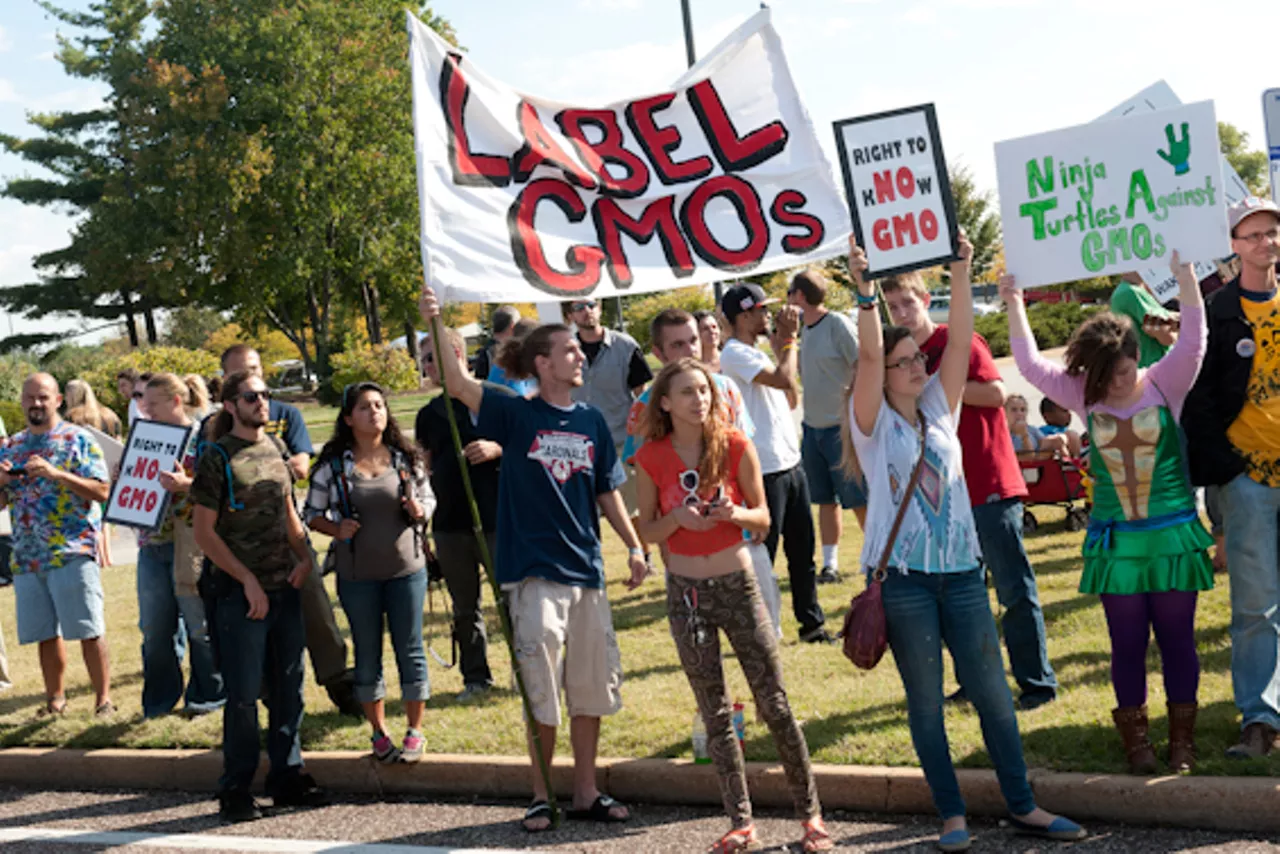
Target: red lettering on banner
[
  {"x": 906, "y": 183},
  {"x": 469, "y": 169},
  {"x": 584, "y": 261},
  {"x": 659, "y": 142},
  {"x": 658, "y": 218},
  {"x": 152, "y": 498},
  {"x": 742, "y": 195},
  {"x": 540, "y": 146},
  {"x": 734, "y": 152},
  {"x": 608, "y": 150},
  {"x": 896, "y": 232},
  {"x": 786, "y": 211},
  {"x": 122, "y": 497}
]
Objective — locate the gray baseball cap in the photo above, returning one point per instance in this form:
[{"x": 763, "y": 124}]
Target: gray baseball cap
[{"x": 1247, "y": 207}]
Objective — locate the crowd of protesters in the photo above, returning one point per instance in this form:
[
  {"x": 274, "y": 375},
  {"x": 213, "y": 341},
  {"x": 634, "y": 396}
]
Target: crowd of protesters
[{"x": 702, "y": 474}]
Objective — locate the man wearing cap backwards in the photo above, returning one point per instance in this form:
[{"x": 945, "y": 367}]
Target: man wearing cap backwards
[
  {"x": 1232, "y": 423},
  {"x": 770, "y": 393}
]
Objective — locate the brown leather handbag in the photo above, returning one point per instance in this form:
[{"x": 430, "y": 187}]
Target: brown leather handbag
[{"x": 864, "y": 634}]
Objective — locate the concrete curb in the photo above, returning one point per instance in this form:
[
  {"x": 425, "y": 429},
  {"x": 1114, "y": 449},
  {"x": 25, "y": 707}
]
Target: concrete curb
[{"x": 1218, "y": 803}]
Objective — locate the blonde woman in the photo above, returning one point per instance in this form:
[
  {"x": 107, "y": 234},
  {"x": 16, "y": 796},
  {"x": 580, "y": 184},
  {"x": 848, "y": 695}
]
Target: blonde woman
[{"x": 83, "y": 409}]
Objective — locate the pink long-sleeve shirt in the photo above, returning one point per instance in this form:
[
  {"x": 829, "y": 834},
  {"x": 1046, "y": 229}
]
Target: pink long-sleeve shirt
[{"x": 1173, "y": 375}]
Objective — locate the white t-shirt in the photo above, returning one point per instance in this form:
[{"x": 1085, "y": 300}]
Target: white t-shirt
[
  {"x": 776, "y": 439},
  {"x": 937, "y": 533}
]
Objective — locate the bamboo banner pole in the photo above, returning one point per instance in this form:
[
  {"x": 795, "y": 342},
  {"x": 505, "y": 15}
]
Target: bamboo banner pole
[{"x": 477, "y": 528}]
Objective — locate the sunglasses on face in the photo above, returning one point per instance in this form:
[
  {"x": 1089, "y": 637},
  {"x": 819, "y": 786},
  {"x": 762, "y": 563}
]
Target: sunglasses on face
[
  {"x": 138, "y": 395},
  {"x": 581, "y": 306},
  {"x": 252, "y": 396}
]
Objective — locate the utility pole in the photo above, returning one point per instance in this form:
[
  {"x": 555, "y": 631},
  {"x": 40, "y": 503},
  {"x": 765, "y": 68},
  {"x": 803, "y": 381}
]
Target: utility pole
[{"x": 691, "y": 56}]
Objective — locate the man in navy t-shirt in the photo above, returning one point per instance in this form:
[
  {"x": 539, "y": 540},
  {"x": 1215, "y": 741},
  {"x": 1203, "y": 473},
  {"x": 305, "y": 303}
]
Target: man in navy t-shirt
[
  {"x": 559, "y": 471},
  {"x": 325, "y": 645}
]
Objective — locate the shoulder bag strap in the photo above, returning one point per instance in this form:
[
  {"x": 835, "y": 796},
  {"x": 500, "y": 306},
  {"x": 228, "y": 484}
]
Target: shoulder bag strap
[{"x": 883, "y": 565}]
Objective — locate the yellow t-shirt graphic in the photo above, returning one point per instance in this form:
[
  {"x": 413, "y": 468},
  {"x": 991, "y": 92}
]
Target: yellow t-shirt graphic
[{"x": 1256, "y": 431}]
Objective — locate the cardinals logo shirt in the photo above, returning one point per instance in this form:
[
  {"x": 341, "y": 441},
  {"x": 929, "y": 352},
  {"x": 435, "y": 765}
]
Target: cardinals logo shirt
[{"x": 556, "y": 461}]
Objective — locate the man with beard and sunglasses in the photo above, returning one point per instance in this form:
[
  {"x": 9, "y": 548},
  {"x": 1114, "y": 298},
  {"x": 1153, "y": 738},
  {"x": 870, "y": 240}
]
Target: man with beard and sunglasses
[
  {"x": 247, "y": 525},
  {"x": 54, "y": 475},
  {"x": 325, "y": 644}
]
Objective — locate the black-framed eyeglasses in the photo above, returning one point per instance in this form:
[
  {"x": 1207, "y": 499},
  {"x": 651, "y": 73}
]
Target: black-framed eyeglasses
[
  {"x": 252, "y": 396},
  {"x": 908, "y": 361},
  {"x": 428, "y": 358},
  {"x": 138, "y": 395}
]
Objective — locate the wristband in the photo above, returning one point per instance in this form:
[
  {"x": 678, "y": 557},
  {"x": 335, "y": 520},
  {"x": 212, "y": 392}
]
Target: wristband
[
  {"x": 864, "y": 300},
  {"x": 635, "y": 551}
]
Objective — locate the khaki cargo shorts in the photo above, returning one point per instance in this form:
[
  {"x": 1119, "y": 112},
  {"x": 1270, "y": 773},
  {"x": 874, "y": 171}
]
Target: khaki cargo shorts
[{"x": 564, "y": 639}]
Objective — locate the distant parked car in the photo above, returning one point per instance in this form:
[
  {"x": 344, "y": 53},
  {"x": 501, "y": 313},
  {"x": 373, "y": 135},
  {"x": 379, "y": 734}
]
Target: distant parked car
[
  {"x": 292, "y": 377},
  {"x": 940, "y": 307}
]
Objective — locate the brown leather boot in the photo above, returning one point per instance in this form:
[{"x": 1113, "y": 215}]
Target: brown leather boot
[
  {"x": 1132, "y": 723},
  {"x": 1182, "y": 737}
]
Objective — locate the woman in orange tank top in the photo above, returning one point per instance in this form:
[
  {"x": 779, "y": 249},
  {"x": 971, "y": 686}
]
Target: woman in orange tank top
[{"x": 699, "y": 487}]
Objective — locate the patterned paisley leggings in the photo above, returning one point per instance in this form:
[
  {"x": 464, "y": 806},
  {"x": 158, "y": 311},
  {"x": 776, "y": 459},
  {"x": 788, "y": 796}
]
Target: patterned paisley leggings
[{"x": 699, "y": 609}]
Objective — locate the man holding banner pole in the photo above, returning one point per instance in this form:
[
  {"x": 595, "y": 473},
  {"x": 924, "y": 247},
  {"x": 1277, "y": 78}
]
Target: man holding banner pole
[{"x": 559, "y": 472}]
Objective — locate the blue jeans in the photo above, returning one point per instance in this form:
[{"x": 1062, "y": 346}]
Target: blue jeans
[
  {"x": 261, "y": 656},
  {"x": 1249, "y": 512},
  {"x": 165, "y": 640},
  {"x": 921, "y": 611},
  {"x": 999, "y": 526},
  {"x": 400, "y": 600}
]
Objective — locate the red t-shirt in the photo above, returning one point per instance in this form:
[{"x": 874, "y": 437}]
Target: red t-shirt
[{"x": 990, "y": 464}]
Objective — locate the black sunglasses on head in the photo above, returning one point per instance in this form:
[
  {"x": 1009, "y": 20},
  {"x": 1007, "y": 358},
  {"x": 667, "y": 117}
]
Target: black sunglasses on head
[
  {"x": 138, "y": 395},
  {"x": 252, "y": 396}
]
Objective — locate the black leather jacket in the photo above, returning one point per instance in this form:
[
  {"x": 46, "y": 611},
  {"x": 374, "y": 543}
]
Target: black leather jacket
[{"x": 1219, "y": 391}]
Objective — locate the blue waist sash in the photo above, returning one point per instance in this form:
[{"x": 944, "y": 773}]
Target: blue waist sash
[{"x": 1101, "y": 529}]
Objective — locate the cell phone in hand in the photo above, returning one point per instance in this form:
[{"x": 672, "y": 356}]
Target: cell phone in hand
[{"x": 17, "y": 472}]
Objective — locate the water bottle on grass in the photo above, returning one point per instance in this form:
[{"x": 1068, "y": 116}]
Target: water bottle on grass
[{"x": 701, "y": 756}]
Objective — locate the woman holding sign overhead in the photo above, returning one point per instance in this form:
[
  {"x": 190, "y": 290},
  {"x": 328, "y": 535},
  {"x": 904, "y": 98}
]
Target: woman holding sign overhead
[
  {"x": 903, "y": 424},
  {"x": 1146, "y": 550},
  {"x": 167, "y": 556}
]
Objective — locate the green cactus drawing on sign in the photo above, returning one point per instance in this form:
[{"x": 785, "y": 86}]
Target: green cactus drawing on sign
[{"x": 1179, "y": 150}]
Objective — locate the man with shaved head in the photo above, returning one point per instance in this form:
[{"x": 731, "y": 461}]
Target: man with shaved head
[{"x": 54, "y": 475}]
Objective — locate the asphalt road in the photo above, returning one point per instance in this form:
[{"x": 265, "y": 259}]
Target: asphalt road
[{"x": 181, "y": 822}]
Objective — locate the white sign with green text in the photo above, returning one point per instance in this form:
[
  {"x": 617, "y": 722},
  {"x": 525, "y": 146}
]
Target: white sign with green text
[{"x": 1112, "y": 196}]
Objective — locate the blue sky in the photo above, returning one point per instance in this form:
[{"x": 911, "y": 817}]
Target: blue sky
[{"x": 995, "y": 68}]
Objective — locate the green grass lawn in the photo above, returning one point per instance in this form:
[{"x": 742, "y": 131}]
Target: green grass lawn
[{"x": 849, "y": 716}]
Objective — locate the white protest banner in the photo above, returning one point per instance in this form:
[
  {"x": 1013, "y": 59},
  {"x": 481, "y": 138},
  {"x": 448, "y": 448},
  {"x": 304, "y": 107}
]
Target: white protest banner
[
  {"x": 112, "y": 449},
  {"x": 1160, "y": 96},
  {"x": 1112, "y": 197},
  {"x": 895, "y": 178},
  {"x": 137, "y": 499},
  {"x": 522, "y": 198}
]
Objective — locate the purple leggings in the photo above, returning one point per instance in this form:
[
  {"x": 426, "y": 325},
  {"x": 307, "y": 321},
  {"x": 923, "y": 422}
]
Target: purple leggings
[{"x": 1130, "y": 619}]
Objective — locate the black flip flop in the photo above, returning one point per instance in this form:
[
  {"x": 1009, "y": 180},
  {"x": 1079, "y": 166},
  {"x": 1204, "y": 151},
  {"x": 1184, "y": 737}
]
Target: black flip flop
[
  {"x": 537, "y": 809},
  {"x": 599, "y": 811}
]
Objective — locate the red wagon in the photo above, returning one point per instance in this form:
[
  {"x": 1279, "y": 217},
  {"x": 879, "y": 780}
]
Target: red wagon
[{"x": 1056, "y": 481}]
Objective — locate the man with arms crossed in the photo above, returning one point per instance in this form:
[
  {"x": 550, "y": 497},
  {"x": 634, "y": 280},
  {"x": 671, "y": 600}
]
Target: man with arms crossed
[{"x": 559, "y": 471}]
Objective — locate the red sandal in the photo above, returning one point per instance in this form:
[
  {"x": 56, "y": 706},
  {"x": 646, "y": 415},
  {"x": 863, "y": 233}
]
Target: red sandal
[
  {"x": 815, "y": 836},
  {"x": 738, "y": 839}
]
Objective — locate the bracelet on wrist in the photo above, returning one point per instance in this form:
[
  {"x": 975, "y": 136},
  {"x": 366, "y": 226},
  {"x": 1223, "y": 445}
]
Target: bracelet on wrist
[
  {"x": 635, "y": 551},
  {"x": 865, "y": 300}
]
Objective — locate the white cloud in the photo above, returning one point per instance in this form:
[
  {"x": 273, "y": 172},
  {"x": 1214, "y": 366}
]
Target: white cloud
[
  {"x": 920, "y": 15},
  {"x": 8, "y": 95},
  {"x": 89, "y": 96}
]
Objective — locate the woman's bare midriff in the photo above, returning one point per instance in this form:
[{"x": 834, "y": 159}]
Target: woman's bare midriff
[{"x": 724, "y": 562}]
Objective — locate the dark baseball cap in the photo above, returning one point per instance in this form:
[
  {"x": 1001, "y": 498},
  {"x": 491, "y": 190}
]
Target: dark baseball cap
[{"x": 743, "y": 296}]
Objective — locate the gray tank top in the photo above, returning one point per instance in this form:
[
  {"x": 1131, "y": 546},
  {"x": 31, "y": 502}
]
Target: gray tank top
[{"x": 384, "y": 546}]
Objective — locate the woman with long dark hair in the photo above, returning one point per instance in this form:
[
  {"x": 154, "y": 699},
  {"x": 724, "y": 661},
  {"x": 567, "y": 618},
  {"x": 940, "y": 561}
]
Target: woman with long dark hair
[
  {"x": 699, "y": 487},
  {"x": 903, "y": 424},
  {"x": 1146, "y": 551},
  {"x": 369, "y": 492}
]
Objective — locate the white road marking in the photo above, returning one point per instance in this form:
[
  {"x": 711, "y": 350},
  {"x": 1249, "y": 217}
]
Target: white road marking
[{"x": 208, "y": 841}]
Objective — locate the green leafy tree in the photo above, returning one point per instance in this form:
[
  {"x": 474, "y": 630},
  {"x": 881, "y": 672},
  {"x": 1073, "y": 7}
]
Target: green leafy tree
[
  {"x": 977, "y": 215},
  {"x": 111, "y": 269},
  {"x": 1252, "y": 166},
  {"x": 289, "y": 126},
  {"x": 191, "y": 326}
]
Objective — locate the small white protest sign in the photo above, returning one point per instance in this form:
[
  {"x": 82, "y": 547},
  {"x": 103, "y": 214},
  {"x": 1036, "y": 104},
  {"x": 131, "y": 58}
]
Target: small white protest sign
[
  {"x": 1112, "y": 197},
  {"x": 895, "y": 179},
  {"x": 1160, "y": 96},
  {"x": 137, "y": 499}
]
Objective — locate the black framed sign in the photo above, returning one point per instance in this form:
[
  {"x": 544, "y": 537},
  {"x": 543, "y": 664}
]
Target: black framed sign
[
  {"x": 137, "y": 499},
  {"x": 895, "y": 178}
]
